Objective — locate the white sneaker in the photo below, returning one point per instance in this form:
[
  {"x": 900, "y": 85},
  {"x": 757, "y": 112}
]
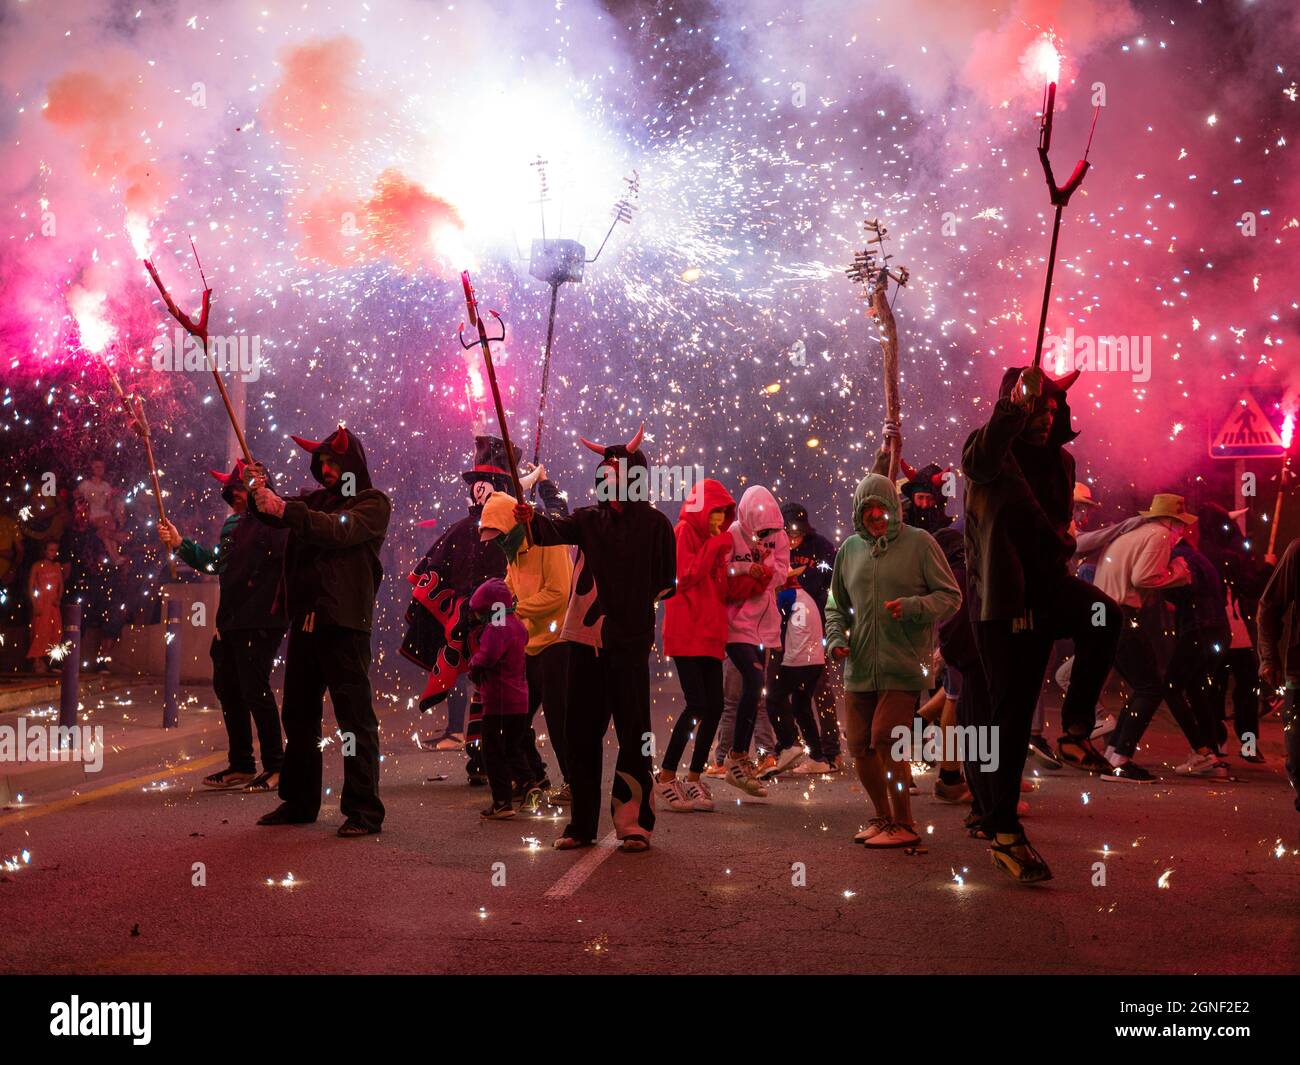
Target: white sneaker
[
  {"x": 1104, "y": 727},
  {"x": 740, "y": 773},
  {"x": 1197, "y": 765},
  {"x": 811, "y": 766},
  {"x": 701, "y": 798},
  {"x": 672, "y": 796},
  {"x": 786, "y": 761},
  {"x": 874, "y": 827}
]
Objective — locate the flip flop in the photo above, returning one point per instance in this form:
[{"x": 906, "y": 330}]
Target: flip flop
[
  {"x": 568, "y": 843},
  {"x": 634, "y": 844}
]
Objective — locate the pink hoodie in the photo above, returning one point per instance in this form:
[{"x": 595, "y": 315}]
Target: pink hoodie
[{"x": 752, "y": 615}]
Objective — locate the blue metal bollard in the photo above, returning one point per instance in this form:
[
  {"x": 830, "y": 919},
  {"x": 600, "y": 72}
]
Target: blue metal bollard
[
  {"x": 172, "y": 679},
  {"x": 70, "y": 682}
]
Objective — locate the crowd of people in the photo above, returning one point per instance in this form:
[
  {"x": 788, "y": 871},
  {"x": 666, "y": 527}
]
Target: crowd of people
[
  {"x": 776, "y": 636},
  {"x": 80, "y": 544}
]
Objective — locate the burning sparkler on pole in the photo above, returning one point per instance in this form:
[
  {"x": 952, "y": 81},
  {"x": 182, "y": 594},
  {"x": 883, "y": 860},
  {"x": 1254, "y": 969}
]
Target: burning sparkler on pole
[
  {"x": 199, "y": 330},
  {"x": 556, "y": 261},
  {"x": 1049, "y": 62},
  {"x": 1288, "y": 435}
]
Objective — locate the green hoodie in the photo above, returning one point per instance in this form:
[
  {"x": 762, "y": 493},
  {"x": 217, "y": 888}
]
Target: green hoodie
[{"x": 906, "y": 564}]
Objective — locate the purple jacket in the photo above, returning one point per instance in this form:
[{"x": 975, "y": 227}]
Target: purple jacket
[{"x": 497, "y": 665}]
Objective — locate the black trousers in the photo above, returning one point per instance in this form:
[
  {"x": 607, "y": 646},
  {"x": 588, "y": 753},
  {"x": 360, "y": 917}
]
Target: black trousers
[
  {"x": 504, "y": 749},
  {"x": 1014, "y": 666},
  {"x": 789, "y": 700},
  {"x": 751, "y": 662},
  {"x": 1138, "y": 661},
  {"x": 609, "y": 684},
  {"x": 241, "y": 677},
  {"x": 974, "y": 710},
  {"x": 701, "y": 681},
  {"x": 548, "y": 688},
  {"x": 1238, "y": 666},
  {"x": 337, "y": 660},
  {"x": 1188, "y": 678}
]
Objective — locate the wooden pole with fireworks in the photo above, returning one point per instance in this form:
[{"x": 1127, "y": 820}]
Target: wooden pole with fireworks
[
  {"x": 485, "y": 343},
  {"x": 1059, "y": 195},
  {"x": 199, "y": 330},
  {"x": 875, "y": 277}
]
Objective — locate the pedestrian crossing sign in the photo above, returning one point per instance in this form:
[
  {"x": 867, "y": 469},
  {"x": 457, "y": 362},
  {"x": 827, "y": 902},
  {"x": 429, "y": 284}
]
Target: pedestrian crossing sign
[{"x": 1247, "y": 434}]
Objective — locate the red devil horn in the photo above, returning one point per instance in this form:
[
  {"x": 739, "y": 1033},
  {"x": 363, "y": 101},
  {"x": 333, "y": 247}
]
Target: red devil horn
[
  {"x": 594, "y": 447},
  {"x": 938, "y": 477},
  {"x": 635, "y": 442},
  {"x": 339, "y": 445},
  {"x": 304, "y": 443},
  {"x": 219, "y": 476},
  {"x": 1065, "y": 382},
  {"x": 909, "y": 470}
]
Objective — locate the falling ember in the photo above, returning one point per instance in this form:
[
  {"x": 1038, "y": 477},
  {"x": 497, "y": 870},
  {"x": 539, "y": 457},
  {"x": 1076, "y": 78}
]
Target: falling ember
[
  {"x": 1163, "y": 881},
  {"x": 690, "y": 274},
  {"x": 88, "y": 309}
]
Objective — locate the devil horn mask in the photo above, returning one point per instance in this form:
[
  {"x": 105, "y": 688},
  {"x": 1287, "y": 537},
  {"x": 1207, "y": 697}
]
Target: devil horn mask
[
  {"x": 304, "y": 443},
  {"x": 635, "y": 443},
  {"x": 594, "y": 447},
  {"x": 339, "y": 442}
]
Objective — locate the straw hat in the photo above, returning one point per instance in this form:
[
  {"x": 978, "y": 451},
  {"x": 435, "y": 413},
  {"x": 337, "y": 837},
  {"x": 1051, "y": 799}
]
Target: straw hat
[
  {"x": 1083, "y": 495},
  {"x": 1168, "y": 505}
]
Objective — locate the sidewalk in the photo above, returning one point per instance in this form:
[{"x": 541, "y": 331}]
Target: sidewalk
[{"x": 130, "y": 715}]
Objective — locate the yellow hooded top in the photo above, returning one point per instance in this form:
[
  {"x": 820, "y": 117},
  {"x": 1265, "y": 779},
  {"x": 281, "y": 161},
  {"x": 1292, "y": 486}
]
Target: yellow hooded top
[{"x": 539, "y": 577}]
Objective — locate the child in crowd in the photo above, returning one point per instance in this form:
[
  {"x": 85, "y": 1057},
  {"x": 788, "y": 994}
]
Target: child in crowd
[{"x": 497, "y": 669}]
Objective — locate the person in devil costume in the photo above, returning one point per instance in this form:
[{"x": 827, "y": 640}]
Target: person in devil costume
[
  {"x": 249, "y": 559},
  {"x": 626, "y": 562},
  {"x": 438, "y": 618},
  {"x": 1019, "y": 502},
  {"x": 331, "y": 576},
  {"x": 924, "y": 501}
]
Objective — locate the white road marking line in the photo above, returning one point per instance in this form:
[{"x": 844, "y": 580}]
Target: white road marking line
[{"x": 577, "y": 876}]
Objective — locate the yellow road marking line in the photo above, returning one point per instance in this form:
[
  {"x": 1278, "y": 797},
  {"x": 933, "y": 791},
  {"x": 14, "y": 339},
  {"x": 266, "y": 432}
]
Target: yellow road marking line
[{"x": 111, "y": 789}]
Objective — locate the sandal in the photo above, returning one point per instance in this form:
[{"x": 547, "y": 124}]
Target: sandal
[
  {"x": 634, "y": 844},
  {"x": 975, "y": 827},
  {"x": 569, "y": 843},
  {"x": 1020, "y": 861}
]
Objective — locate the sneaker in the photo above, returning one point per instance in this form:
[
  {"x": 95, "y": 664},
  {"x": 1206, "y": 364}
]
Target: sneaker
[
  {"x": 1130, "y": 772},
  {"x": 1042, "y": 750},
  {"x": 811, "y": 767},
  {"x": 1104, "y": 727},
  {"x": 718, "y": 769},
  {"x": 265, "y": 782},
  {"x": 229, "y": 778},
  {"x": 742, "y": 773},
  {"x": 699, "y": 794},
  {"x": 893, "y": 836},
  {"x": 1078, "y": 751},
  {"x": 874, "y": 827},
  {"x": 766, "y": 767},
  {"x": 561, "y": 796},
  {"x": 785, "y": 761},
  {"x": 1196, "y": 765},
  {"x": 497, "y": 813},
  {"x": 958, "y": 792},
  {"x": 523, "y": 790},
  {"x": 671, "y": 795}
]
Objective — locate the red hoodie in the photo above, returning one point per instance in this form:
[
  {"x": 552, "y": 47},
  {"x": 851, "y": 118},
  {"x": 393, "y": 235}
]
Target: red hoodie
[{"x": 695, "y": 618}]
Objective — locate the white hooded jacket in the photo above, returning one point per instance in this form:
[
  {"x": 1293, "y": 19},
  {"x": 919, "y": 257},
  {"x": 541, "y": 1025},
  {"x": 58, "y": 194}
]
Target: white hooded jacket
[{"x": 757, "y": 620}]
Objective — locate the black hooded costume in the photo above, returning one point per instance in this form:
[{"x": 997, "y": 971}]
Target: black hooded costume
[
  {"x": 929, "y": 480},
  {"x": 249, "y": 562},
  {"x": 626, "y": 562},
  {"x": 331, "y": 576},
  {"x": 1022, "y": 597}
]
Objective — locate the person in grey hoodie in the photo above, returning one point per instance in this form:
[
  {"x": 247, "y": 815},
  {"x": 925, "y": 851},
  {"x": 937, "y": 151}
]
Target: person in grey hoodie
[{"x": 890, "y": 588}]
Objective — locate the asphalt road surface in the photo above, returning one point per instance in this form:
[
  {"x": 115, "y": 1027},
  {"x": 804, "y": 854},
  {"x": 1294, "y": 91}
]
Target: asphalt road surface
[{"x": 1187, "y": 876}]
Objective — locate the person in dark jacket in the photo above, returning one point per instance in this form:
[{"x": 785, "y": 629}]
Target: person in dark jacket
[
  {"x": 812, "y": 557},
  {"x": 1018, "y": 508},
  {"x": 626, "y": 563},
  {"x": 331, "y": 576},
  {"x": 249, "y": 560},
  {"x": 1278, "y": 622},
  {"x": 1243, "y": 576},
  {"x": 496, "y": 666}
]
